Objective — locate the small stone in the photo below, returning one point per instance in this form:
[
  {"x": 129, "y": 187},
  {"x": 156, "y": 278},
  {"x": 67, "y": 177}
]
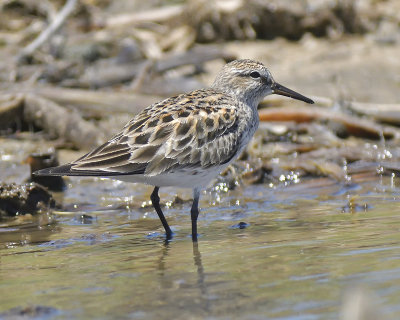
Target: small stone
[{"x": 240, "y": 225}]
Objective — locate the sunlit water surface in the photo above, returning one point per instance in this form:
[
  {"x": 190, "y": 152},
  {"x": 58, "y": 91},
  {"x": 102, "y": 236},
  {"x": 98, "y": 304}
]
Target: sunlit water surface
[{"x": 308, "y": 250}]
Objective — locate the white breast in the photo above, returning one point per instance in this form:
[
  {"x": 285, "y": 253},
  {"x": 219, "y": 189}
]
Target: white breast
[{"x": 182, "y": 178}]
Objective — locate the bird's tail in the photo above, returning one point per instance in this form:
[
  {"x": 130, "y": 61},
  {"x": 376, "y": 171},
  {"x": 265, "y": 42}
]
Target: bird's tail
[{"x": 66, "y": 170}]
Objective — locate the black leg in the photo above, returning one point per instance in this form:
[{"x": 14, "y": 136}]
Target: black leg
[
  {"x": 155, "y": 200},
  {"x": 195, "y": 213}
]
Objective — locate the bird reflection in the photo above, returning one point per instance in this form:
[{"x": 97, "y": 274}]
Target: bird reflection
[
  {"x": 164, "y": 253},
  {"x": 200, "y": 270},
  {"x": 166, "y": 279}
]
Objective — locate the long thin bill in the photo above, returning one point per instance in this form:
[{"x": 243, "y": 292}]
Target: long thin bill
[{"x": 283, "y": 91}]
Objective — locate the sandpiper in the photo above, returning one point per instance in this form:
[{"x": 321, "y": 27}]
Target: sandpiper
[{"x": 186, "y": 140}]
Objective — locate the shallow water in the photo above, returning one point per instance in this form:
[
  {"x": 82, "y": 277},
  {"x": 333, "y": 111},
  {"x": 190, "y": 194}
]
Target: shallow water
[{"x": 307, "y": 250}]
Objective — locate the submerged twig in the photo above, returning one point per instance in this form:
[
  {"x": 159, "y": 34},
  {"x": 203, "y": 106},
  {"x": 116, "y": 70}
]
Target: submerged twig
[
  {"x": 389, "y": 113},
  {"x": 353, "y": 125}
]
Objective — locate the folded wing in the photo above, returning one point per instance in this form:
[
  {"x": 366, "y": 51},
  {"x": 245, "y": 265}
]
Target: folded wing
[{"x": 179, "y": 132}]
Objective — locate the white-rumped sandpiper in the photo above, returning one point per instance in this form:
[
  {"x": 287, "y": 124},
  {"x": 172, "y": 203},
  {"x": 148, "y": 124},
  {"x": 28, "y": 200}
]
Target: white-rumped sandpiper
[{"x": 187, "y": 140}]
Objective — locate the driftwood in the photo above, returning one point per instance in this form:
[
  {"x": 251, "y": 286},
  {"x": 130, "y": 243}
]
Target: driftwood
[
  {"x": 60, "y": 122},
  {"x": 94, "y": 103},
  {"x": 33, "y": 107}
]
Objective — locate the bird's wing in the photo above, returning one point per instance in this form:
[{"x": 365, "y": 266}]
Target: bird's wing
[{"x": 196, "y": 129}]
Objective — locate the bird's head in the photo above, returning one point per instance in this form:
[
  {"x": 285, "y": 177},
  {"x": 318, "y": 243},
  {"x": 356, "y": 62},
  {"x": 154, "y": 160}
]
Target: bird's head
[{"x": 251, "y": 81}]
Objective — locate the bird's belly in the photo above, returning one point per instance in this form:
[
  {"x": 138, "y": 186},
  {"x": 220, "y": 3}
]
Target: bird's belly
[{"x": 183, "y": 178}]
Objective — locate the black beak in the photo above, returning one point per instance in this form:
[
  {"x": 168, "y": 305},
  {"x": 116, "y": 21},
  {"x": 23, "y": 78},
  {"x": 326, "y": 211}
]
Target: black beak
[{"x": 283, "y": 91}]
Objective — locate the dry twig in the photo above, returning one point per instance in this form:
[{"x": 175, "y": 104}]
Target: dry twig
[{"x": 47, "y": 33}]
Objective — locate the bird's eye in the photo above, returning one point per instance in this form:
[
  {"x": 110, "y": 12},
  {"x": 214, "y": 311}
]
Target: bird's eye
[{"x": 255, "y": 75}]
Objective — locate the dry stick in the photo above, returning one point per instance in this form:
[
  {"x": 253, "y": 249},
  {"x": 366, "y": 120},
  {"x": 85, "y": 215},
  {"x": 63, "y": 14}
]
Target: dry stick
[
  {"x": 97, "y": 103},
  {"x": 154, "y": 15},
  {"x": 47, "y": 33},
  {"x": 143, "y": 75}
]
